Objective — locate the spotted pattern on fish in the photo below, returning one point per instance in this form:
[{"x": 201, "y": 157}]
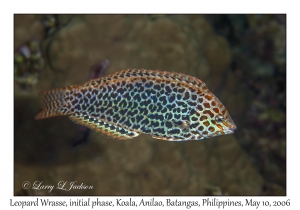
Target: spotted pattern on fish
[{"x": 166, "y": 105}]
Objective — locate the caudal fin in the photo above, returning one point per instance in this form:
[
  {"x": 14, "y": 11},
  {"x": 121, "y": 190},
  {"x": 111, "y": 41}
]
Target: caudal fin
[{"x": 55, "y": 102}]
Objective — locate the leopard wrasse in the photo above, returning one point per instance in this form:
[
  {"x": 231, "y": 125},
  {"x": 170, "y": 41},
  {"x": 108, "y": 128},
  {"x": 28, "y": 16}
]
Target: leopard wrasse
[{"x": 166, "y": 105}]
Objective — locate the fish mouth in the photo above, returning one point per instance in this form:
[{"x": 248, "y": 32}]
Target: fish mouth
[{"x": 230, "y": 129}]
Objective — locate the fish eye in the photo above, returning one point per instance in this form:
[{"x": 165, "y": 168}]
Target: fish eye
[{"x": 219, "y": 118}]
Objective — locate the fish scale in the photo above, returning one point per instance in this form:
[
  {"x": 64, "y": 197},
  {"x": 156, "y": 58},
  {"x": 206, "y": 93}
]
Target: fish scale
[{"x": 166, "y": 105}]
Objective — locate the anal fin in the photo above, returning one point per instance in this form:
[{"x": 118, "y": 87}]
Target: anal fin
[{"x": 107, "y": 129}]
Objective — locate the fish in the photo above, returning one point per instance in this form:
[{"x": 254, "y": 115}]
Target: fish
[{"x": 166, "y": 105}]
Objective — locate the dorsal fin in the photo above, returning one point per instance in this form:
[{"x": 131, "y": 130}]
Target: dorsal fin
[
  {"x": 107, "y": 129},
  {"x": 132, "y": 73}
]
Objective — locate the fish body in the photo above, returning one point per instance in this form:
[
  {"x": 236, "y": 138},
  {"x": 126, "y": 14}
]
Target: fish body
[{"x": 166, "y": 105}]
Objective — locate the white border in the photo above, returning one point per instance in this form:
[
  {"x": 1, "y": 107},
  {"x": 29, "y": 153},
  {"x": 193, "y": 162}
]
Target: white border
[{"x": 8, "y": 8}]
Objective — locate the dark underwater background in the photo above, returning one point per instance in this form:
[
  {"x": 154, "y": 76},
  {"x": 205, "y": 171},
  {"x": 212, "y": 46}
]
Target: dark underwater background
[{"x": 241, "y": 58}]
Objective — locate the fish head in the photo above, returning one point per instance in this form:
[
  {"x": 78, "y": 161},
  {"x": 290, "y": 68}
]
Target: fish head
[{"x": 214, "y": 118}]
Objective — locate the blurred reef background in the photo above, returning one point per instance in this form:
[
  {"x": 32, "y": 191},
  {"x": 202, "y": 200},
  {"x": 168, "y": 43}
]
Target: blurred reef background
[{"x": 242, "y": 59}]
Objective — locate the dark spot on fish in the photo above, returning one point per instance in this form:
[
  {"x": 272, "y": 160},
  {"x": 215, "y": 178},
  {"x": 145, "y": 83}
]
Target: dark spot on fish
[
  {"x": 186, "y": 95},
  {"x": 163, "y": 99},
  {"x": 129, "y": 86},
  {"x": 79, "y": 95},
  {"x": 177, "y": 110},
  {"x": 132, "y": 94},
  {"x": 191, "y": 103},
  {"x": 138, "y": 84},
  {"x": 145, "y": 112},
  {"x": 224, "y": 112},
  {"x": 135, "y": 126},
  {"x": 194, "y": 118},
  {"x": 169, "y": 124},
  {"x": 211, "y": 129},
  {"x": 127, "y": 122},
  {"x": 134, "y": 112},
  {"x": 149, "y": 84},
  {"x": 180, "y": 90},
  {"x": 123, "y": 103},
  {"x": 94, "y": 91},
  {"x": 202, "y": 118},
  {"x": 159, "y": 130},
  {"x": 216, "y": 110},
  {"x": 174, "y": 131},
  {"x": 171, "y": 98},
  {"x": 169, "y": 116},
  {"x": 164, "y": 110},
  {"x": 177, "y": 116},
  {"x": 152, "y": 108},
  {"x": 92, "y": 100},
  {"x": 139, "y": 118},
  {"x": 83, "y": 91},
  {"x": 154, "y": 123},
  {"x": 144, "y": 96},
  {"x": 194, "y": 97},
  {"x": 208, "y": 97},
  {"x": 156, "y": 117},
  {"x": 184, "y": 110},
  {"x": 127, "y": 96},
  {"x": 168, "y": 89},
  {"x": 91, "y": 109},
  {"x": 157, "y": 87},
  {"x": 88, "y": 95},
  {"x": 141, "y": 89},
  {"x": 102, "y": 109},
  {"x": 171, "y": 107},
  {"x": 194, "y": 125},
  {"x": 206, "y": 105},
  {"x": 105, "y": 96},
  {"x": 209, "y": 113},
  {"x": 108, "y": 89},
  {"x": 109, "y": 112},
  {"x": 113, "y": 95},
  {"x": 137, "y": 97},
  {"x": 200, "y": 108},
  {"x": 123, "y": 111},
  {"x": 187, "y": 135},
  {"x": 75, "y": 102},
  {"x": 206, "y": 123},
  {"x": 86, "y": 100},
  {"x": 145, "y": 121},
  {"x": 201, "y": 128},
  {"x": 154, "y": 98},
  {"x": 122, "y": 120},
  {"x": 135, "y": 105}
]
